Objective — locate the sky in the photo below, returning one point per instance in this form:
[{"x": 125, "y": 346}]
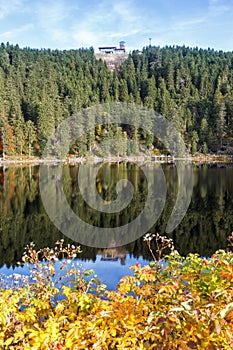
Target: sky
[{"x": 71, "y": 24}]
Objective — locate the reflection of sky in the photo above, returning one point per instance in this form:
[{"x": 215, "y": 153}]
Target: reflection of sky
[{"x": 109, "y": 272}]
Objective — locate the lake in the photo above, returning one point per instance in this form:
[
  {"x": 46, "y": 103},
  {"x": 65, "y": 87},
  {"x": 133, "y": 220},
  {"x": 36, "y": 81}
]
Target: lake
[{"x": 204, "y": 229}]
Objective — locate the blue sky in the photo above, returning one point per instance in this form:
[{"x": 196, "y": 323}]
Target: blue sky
[{"x": 65, "y": 24}]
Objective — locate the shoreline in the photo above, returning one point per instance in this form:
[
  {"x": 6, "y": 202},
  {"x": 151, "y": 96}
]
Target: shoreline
[{"x": 199, "y": 159}]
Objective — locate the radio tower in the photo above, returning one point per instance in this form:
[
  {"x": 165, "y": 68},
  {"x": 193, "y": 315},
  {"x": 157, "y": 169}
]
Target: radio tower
[{"x": 149, "y": 41}]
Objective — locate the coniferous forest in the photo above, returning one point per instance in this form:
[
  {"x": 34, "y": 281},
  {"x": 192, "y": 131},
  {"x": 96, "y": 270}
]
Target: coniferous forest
[
  {"x": 180, "y": 302},
  {"x": 40, "y": 88}
]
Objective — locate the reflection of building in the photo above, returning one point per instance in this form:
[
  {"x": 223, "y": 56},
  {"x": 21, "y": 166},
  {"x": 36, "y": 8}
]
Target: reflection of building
[
  {"x": 113, "y": 254},
  {"x": 113, "y": 49}
]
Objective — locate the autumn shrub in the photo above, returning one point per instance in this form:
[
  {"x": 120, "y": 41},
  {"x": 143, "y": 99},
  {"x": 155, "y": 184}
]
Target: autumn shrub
[{"x": 174, "y": 303}]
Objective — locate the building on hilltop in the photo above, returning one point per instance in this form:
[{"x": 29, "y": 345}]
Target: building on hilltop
[
  {"x": 113, "y": 56},
  {"x": 113, "y": 49}
]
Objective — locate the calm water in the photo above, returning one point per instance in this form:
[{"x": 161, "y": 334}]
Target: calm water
[{"x": 204, "y": 229}]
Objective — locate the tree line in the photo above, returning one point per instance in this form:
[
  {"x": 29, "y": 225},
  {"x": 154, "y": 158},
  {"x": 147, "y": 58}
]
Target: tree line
[{"x": 191, "y": 87}]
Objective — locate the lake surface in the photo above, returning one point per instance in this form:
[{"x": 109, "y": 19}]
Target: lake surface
[{"x": 204, "y": 229}]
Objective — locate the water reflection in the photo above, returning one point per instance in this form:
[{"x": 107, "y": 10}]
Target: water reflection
[
  {"x": 204, "y": 229},
  {"x": 114, "y": 254}
]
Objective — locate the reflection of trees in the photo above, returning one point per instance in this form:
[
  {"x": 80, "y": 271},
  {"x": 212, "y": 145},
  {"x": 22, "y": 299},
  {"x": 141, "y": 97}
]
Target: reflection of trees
[
  {"x": 106, "y": 181},
  {"x": 204, "y": 228},
  {"x": 209, "y": 218},
  {"x": 22, "y": 218}
]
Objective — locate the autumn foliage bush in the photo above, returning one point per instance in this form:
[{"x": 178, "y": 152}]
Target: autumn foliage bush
[{"x": 175, "y": 303}]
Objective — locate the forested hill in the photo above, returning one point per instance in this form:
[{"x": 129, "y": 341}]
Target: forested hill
[{"x": 40, "y": 88}]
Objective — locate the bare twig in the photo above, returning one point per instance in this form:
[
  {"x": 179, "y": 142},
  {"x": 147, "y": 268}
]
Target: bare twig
[{"x": 162, "y": 243}]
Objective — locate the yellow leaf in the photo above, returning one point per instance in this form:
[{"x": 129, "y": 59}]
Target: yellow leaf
[
  {"x": 51, "y": 270},
  {"x": 71, "y": 333},
  {"x": 113, "y": 332},
  {"x": 9, "y": 341},
  {"x": 227, "y": 309},
  {"x": 131, "y": 319},
  {"x": 59, "y": 308}
]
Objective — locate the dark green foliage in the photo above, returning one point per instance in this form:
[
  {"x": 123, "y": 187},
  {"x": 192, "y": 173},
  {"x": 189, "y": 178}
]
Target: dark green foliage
[
  {"x": 204, "y": 228},
  {"x": 191, "y": 87}
]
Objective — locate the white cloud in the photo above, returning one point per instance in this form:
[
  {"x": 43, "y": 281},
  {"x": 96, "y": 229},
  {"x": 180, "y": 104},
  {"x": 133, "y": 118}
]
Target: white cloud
[
  {"x": 15, "y": 32},
  {"x": 123, "y": 34},
  {"x": 68, "y": 24},
  {"x": 105, "y": 23},
  {"x": 124, "y": 10},
  {"x": 52, "y": 13},
  {"x": 189, "y": 24},
  {"x": 9, "y": 7},
  {"x": 219, "y": 7},
  {"x": 85, "y": 38},
  {"x": 53, "y": 20}
]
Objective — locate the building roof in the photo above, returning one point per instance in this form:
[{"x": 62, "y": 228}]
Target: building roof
[{"x": 107, "y": 47}]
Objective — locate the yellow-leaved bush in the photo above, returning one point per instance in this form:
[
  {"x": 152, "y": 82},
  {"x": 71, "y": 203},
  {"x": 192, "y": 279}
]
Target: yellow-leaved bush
[{"x": 178, "y": 303}]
